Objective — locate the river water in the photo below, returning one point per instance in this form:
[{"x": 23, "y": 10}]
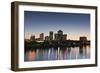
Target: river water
[{"x": 59, "y": 53}]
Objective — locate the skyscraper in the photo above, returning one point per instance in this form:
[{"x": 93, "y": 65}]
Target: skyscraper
[
  {"x": 51, "y": 35},
  {"x": 64, "y": 37},
  {"x": 42, "y": 36},
  {"x": 56, "y": 36},
  {"x": 60, "y": 32},
  {"x": 60, "y": 35},
  {"x": 47, "y": 38},
  {"x": 32, "y": 38}
]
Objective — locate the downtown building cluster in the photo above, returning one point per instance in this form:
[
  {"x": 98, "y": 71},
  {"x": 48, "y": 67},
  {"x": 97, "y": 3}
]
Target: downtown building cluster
[{"x": 59, "y": 36}]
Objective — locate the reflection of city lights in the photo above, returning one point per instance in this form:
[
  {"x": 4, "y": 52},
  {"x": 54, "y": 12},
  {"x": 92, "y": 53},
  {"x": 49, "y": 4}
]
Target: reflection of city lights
[
  {"x": 31, "y": 55},
  {"x": 58, "y": 53}
]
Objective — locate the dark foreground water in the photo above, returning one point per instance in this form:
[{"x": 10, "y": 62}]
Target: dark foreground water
[{"x": 65, "y": 53}]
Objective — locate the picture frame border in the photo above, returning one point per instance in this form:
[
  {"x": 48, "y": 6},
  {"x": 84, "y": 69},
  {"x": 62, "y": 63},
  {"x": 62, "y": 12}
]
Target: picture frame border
[{"x": 15, "y": 34}]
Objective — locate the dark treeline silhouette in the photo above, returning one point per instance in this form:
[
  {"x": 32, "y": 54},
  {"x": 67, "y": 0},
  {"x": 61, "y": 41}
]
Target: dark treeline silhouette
[{"x": 53, "y": 43}]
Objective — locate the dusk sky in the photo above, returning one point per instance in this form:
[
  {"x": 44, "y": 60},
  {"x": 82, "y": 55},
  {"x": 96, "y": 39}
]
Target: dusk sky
[{"x": 72, "y": 24}]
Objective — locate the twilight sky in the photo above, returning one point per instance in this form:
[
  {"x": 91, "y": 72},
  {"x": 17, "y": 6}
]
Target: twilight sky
[{"x": 72, "y": 24}]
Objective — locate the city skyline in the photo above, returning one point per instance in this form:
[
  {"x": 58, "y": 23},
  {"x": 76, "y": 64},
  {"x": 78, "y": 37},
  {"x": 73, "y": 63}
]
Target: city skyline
[
  {"x": 52, "y": 36},
  {"x": 72, "y": 24}
]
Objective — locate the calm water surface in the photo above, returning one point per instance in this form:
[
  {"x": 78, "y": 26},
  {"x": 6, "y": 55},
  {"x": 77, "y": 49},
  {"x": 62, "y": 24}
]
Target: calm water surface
[{"x": 65, "y": 53}]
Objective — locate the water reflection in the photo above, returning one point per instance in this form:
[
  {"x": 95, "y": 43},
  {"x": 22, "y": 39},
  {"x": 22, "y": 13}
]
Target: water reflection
[{"x": 60, "y": 53}]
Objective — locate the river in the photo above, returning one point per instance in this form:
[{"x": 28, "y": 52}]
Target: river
[{"x": 59, "y": 53}]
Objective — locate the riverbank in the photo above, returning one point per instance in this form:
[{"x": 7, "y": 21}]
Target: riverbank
[{"x": 48, "y": 44}]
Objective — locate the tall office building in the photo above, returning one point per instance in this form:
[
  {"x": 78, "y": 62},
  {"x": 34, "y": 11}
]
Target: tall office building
[
  {"x": 47, "y": 38},
  {"x": 60, "y": 36},
  {"x": 51, "y": 35},
  {"x": 56, "y": 36},
  {"x": 64, "y": 37},
  {"x": 42, "y": 36},
  {"x": 60, "y": 32},
  {"x": 32, "y": 38}
]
